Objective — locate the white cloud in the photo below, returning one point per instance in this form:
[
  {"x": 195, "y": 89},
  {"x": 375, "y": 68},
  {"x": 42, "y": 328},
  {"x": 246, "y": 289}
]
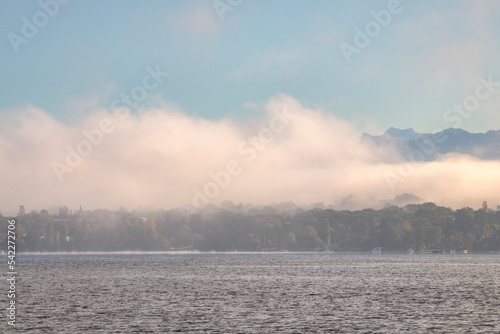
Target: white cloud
[
  {"x": 160, "y": 156},
  {"x": 197, "y": 18},
  {"x": 80, "y": 106}
]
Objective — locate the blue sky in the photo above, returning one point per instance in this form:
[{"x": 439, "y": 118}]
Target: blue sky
[
  {"x": 276, "y": 93},
  {"x": 426, "y": 59}
]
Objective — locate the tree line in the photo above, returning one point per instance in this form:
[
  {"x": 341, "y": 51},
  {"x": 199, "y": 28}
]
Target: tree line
[{"x": 418, "y": 226}]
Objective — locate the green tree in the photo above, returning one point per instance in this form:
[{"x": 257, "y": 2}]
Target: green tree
[{"x": 290, "y": 240}]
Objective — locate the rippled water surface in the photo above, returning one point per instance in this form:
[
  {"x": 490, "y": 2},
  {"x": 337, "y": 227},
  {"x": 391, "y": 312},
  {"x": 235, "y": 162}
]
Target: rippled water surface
[{"x": 259, "y": 293}]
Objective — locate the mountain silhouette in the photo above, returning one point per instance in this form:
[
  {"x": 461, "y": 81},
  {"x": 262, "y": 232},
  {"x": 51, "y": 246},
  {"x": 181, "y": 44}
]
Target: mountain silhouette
[{"x": 403, "y": 145}]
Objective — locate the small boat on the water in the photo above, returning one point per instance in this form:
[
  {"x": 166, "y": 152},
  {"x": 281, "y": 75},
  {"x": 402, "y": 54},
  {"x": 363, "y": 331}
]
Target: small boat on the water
[
  {"x": 377, "y": 250},
  {"x": 409, "y": 251}
]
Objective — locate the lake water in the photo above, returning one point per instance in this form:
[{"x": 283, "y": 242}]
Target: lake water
[{"x": 258, "y": 293}]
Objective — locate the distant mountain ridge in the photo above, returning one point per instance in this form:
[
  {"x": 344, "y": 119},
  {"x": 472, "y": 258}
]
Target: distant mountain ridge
[{"x": 405, "y": 142}]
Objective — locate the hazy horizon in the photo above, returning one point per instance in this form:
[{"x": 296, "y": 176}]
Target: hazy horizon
[
  {"x": 163, "y": 158},
  {"x": 193, "y": 102},
  {"x": 128, "y": 109}
]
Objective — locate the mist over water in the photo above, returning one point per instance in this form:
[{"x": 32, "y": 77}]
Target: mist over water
[{"x": 230, "y": 166}]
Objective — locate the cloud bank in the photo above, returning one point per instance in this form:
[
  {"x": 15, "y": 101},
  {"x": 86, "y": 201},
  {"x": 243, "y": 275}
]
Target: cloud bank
[{"x": 164, "y": 158}]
